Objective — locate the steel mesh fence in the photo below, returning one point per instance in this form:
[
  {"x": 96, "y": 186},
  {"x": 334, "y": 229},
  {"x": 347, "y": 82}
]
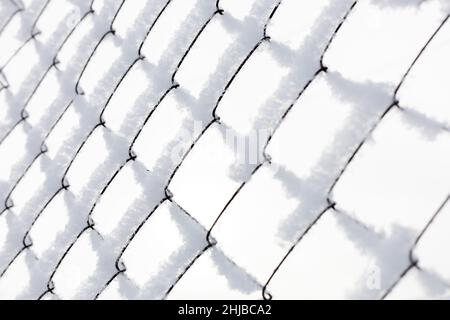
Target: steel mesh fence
[{"x": 115, "y": 112}]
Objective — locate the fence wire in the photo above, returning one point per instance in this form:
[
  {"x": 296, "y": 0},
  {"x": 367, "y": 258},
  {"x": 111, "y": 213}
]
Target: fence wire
[{"x": 94, "y": 104}]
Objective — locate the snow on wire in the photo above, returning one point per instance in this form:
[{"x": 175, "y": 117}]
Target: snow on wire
[{"x": 112, "y": 116}]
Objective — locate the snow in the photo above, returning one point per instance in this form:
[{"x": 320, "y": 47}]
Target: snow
[
  {"x": 264, "y": 203},
  {"x": 434, "y": 240},
  {"x": 393, "y": 172},
  {"x": 338, "y": 259},
  {"x": 193, "y": 149},
  {"x": 425, "y": 89},
  {"x": 215, "y": 277},
  {"x": 203, "y": 184}
]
